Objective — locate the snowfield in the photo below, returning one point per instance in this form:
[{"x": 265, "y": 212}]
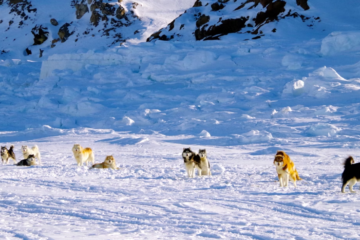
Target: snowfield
[
  {"x": 150, "y": 197},
  {"x": 296, "y": 89}
]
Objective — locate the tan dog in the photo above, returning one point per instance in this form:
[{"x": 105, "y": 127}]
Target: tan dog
[
  {"x": 108, "y": 163},
  {"x": 285, "y": 168},
  {"x": 34, "y": 151},
  {"x": 83, "y": 155}
]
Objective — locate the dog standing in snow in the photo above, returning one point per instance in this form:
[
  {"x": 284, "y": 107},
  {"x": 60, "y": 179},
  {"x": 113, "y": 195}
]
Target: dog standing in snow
[
  {"x": 83, "y": 155},
  {"x": 351, "y": 174},
  {"x": 285, "y": 169},
  {"x": 108, "y": 163},
  {"x": 6, "y": 154},
  {"x": 188, "y": 157},
  {"x": 34, "y": 151},
  {"x": 201, "y": 163}
]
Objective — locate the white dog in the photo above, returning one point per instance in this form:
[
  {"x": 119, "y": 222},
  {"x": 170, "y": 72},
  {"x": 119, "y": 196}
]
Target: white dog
[
  {"x": 83, "y": 155},
  {"x": 31, "y": 151}
]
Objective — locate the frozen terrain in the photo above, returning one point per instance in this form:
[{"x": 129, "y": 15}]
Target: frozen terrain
[{"x": 295, "y": 90}]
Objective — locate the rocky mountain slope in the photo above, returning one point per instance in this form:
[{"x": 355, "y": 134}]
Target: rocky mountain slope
[
  {"x": 36, "y": 28},
  {"x": 211, "y": 19}
]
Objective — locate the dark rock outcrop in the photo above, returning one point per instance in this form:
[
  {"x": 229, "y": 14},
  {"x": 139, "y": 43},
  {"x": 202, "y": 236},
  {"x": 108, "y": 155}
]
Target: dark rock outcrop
[
  {"x": 54, "y": 22},
  {"x": 40, "y": 34},
  {"x": 120, "y": 12},
  {"x": 303, "y": 4},
  {"x": 64, "y": 32},
  {"x": 81, "y": 9},
  {"x": 227, "y": 26}
]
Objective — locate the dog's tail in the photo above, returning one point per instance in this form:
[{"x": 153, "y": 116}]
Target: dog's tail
[
  {"x": 298, "y": 178},
  {"x": 11, "y": 147},
  {"x": 348, "y": 162}
]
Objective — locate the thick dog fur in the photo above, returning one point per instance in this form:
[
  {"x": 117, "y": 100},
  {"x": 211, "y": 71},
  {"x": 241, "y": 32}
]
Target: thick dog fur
[
  {"x": 188, "y": 157},
  {"x": 83, "y": 155},
  {"x": 108, "y": 163},
  {"x": 285, "y": 169},
  {"x": 30, "y": 161},
  {"x": 6, "y": 154},
  {"x": 351, "y": 174},
  {"x": 34, "y": 151},
  {"x": 201, "y": 163}
]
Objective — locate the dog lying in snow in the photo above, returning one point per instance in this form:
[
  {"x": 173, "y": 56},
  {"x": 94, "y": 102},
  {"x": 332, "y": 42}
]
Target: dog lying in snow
[
  {"x": 108, "y": 163},
  {"x": 34, "y": 151},
  {"x": 6, "y": 154},
  {"x": 83, "y": 155},
  {"x": 285, "y": 169},
  {"x": 351, "y": 174},
  {"x": 30, "y": 161}
]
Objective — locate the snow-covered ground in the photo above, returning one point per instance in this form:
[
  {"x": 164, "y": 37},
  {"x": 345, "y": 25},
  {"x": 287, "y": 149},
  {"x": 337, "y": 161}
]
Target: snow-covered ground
[
  {"x": 150, "y": 197},
  {"x": 296, "y": 90}
]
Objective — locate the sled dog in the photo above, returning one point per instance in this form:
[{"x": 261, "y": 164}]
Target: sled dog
[
  {"x": 351, "y": 174},
  {"x": 201, "y": 163},
  {"x": 188, "y": 157},
  {"x": 30, "y": 161},
  {"x": 285, "y": 169},
  {"x": 34, "y": 150},
  {"x": 83, "y": 155},
  {"x": 108, "y": 163},
  {"x": 6, "y": 154}
]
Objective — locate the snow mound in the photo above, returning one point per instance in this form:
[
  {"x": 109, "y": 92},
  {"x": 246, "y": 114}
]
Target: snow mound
[
  {"x": 254, "y": 136},
  {"x": 320, "y": 84},
  {"x": 322, "y": 129},
  {"x": 338, "y": 42},
  {"x": 205, "y": 134}
]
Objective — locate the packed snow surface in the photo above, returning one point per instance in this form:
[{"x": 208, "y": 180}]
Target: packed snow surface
[{"x": 296, "y": 90}]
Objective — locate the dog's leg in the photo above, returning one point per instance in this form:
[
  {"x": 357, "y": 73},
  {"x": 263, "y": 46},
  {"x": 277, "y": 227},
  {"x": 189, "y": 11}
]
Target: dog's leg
[
  {"x": 286, "y": 180},
  {"x": 344, "y": 186},
  {"x": 280, "y": 180},
  {"x": 351, "y": 184}
]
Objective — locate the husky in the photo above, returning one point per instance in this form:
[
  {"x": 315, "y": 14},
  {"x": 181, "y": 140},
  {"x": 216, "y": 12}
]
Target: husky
[
  {"x": 83, "y": 155},
  {"x": 108, "y": 163},
  {"x": 6, "y": 154},
  {"x": 34, "y": 151},
  {"x": 351, "y": 174},
  {"x": 188, "y": 157},
  {"x": 201, "y": 163},
  {"x": 30, "y": 161}
]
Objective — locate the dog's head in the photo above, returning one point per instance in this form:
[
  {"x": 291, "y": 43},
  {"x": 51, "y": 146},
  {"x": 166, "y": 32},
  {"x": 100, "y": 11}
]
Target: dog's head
[
  {"x": 24, "y": 149},
  {"x": 110, "y": 160},
  {"x": 3, "y": 150},
  {"x": 187, "y": 153},
  {"x": 31, "y": 159},
  {"x": 202, "y": 153},
  {"x": 279, "y": 160},
  {"x": 76, "y": 148}
]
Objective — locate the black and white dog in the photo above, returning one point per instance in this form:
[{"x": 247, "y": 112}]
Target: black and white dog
[
  {"x": 30, "y": 161},
  {"x": 351, "y": 174},
  {"x": 6, "y": 154}
]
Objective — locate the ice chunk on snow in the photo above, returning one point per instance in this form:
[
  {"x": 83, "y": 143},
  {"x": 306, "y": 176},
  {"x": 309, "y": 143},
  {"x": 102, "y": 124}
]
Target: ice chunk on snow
[
  {"x": 205, "y": 134},
  {"x": 337, "y": 42},
  {"x": 128, "y": 121},
  {"x": 319, "y": 84},
  {"x": 322, "y": 129},
  {"x": 245, "y": 116},
  {"x": 254, "y": 136}
]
